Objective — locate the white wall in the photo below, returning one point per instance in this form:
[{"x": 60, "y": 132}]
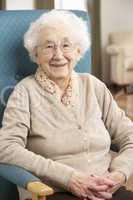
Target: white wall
[
  {"x": 116, "y": 15},
  {"x": 70, "y": 4},
  {"x": 19, "y": 4}
]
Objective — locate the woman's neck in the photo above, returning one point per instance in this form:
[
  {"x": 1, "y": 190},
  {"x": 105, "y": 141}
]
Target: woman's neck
[{"x": 61, "y": 82}]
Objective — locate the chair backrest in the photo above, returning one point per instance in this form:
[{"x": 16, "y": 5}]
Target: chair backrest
[
  {"x": 15, "y": 63},
  {"x": 14, "y": 60}
]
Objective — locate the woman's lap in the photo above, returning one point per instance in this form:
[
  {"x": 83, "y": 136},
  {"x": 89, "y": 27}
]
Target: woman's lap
[
  {"x": 62, "y": 196},
  {"x": 121, "y": 194}
]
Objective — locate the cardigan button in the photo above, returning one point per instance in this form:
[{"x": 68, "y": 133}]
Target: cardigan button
[{"x": 79, "y": 127}]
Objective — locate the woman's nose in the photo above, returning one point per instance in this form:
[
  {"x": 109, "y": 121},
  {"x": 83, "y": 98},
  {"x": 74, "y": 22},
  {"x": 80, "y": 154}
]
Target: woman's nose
[{"x": 58, "y": 54}]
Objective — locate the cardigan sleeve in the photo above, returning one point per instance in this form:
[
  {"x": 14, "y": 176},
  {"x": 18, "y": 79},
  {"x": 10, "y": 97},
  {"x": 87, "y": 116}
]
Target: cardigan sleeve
[
  {"x": 120, "y": 128},
  {"x": 13, "y": 140}
]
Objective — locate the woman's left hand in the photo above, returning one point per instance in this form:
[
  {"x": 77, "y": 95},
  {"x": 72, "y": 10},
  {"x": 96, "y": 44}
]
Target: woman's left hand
[{"x": 118, "y": 177}]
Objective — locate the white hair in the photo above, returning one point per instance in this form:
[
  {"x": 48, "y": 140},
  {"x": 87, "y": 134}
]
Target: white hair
[{"x": 55, "y": 18}]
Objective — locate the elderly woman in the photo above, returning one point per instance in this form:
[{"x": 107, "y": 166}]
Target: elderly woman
[{"x": 59, "y": 124}]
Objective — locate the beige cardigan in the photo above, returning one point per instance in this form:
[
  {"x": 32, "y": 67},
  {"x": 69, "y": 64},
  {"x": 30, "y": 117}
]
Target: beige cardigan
[{"x": 52, "y": 141}]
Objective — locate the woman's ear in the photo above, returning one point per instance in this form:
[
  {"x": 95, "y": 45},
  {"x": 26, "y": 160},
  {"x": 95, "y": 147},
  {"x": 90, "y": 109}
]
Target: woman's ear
[
  {"x": 78, "y": 54},
  {"x": 37, "y": 60},
  {"x": 36, "y": 56}
]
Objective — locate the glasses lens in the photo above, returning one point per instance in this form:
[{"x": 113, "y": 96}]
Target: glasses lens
[
  {"x": 67, "y": 47},
  {"x": 51, "y": 48}
]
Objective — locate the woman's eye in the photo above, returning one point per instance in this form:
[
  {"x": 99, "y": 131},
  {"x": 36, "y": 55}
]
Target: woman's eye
[
  {"x": 49, "y": 46},
  {"x": 66, "y": 45}
]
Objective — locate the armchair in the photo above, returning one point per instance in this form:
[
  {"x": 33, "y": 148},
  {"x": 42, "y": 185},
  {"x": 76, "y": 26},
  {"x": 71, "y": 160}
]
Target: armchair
[
  {"x": 13, "y": 67},
  {"x": 23, "y": 179},
  {"x": 120, "y": 51}
]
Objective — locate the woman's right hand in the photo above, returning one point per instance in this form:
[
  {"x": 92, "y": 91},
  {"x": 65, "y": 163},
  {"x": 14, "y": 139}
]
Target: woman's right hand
[{"x": 90, "y": 187}]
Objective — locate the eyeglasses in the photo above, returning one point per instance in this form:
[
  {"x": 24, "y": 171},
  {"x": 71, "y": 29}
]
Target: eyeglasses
[{"x": 51, "y": 47}]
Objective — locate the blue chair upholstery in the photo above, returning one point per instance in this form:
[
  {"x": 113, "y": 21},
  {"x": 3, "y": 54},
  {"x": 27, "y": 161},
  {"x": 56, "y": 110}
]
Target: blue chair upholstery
[
  {"x": 10, "y": 176},
  {"x": 14, "y": 66}
]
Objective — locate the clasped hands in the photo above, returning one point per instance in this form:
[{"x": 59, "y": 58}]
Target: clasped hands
[{"x": 93, "y": 187}]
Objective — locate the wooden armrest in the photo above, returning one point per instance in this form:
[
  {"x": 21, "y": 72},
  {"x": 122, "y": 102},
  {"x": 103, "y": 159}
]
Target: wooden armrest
[{"x": 39, "y": 188}]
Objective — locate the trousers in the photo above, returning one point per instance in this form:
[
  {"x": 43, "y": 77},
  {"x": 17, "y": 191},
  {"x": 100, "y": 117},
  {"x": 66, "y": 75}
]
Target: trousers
[{"x": 121, "y": 194}]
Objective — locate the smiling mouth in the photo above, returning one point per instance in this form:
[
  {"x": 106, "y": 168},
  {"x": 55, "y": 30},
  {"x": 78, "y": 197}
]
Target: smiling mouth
[{"x": 58, "y": 65}]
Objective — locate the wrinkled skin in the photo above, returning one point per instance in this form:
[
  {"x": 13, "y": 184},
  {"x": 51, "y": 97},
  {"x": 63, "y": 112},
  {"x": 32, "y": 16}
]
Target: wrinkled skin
[{"x": 95, "y": 187}]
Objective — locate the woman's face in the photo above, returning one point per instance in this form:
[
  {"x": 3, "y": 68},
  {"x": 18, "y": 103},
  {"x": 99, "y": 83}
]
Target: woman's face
[{"x": 56, "y": 52}]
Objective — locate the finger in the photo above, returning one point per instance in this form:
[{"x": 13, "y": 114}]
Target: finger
[
  {"x": 90, "y": 195},
  {"x": 84, "y": 195},
  {"x": 114, "y": 189},
  {"x": 105, "y": 181},
  {"x": 105, "y": 195},
  {"x": 97, "y": 198},
  {"x": 98, "y": 188}
]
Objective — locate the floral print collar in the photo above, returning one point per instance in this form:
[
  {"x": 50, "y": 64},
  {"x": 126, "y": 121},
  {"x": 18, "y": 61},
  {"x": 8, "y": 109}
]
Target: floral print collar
[{"x": 52, "y": 88}]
